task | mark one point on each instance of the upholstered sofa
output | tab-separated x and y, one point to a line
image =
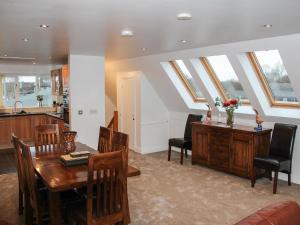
281	213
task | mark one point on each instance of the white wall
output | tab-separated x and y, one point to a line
154	120
152	128
87	93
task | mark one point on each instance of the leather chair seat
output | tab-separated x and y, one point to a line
271	162
181	142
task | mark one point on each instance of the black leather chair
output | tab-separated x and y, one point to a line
185	142
280	156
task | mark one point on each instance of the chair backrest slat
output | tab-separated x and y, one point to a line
104	140
119	141
109	171
47	137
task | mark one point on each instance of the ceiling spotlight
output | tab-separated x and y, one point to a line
143	49
25	39
127	33
183	41
44	26
268	25
184	16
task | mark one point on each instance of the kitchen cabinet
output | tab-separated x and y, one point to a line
5	131
23	127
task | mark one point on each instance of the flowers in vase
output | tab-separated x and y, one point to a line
229	105
40	99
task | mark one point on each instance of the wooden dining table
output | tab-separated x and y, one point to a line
57	177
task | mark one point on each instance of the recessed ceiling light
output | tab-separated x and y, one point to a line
144	49
25	39
127	33
44	26
183	41
268	25
184	16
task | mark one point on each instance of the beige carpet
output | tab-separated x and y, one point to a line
170	194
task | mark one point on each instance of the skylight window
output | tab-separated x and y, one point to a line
188	80
224	77
274	78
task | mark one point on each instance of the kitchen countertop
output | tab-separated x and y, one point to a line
53	114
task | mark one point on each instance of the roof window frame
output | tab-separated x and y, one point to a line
265	86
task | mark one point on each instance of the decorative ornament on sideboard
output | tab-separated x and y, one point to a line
230	106
208	115
258	120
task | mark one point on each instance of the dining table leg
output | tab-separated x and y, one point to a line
54	208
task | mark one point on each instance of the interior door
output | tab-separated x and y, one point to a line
128	102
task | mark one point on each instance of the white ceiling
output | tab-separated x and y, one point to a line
93	26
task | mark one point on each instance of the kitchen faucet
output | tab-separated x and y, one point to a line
15	106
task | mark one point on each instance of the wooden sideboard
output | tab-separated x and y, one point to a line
228	149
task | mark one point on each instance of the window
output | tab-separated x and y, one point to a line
273	76
188	80
224	77
25	89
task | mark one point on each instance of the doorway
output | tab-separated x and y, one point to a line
128	108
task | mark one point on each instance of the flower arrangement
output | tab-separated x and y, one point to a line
229	105
40	99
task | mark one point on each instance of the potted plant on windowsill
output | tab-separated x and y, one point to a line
230	106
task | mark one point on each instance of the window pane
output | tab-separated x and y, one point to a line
27	93
9	86
188	77
25	89
227	76
276	75
44	87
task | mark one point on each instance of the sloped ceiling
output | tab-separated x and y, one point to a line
288	46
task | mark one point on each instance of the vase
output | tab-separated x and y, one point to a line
219	118
69	141
40	104
230	118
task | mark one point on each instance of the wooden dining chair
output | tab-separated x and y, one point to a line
119	141
20	171
104	140
36	199
47	137
109	205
